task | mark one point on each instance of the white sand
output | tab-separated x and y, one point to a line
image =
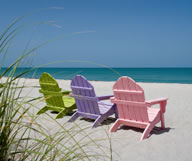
172	144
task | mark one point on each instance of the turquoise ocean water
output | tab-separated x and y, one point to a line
158	75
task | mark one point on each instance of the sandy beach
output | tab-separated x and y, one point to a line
171	144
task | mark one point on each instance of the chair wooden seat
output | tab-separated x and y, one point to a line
152	113
104	107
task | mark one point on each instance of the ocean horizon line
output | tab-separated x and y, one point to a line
153	75
105	67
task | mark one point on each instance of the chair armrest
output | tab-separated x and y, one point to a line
161	101
66	92
84	97
50	93
156	101
105	97
112	99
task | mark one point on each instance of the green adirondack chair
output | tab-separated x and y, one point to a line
56	99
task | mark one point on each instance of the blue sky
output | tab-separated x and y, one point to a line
115	33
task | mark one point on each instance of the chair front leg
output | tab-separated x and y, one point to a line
43	110
115	126
98	121
162	111
74	117
163	105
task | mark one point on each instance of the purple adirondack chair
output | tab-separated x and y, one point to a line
88	104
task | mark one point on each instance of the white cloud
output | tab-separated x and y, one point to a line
83	32
51	21
57	8
57	26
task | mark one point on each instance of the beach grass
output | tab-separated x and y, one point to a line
22	135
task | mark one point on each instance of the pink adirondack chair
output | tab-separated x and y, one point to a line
133	109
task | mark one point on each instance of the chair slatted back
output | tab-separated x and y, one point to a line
51	90
84	95
130	100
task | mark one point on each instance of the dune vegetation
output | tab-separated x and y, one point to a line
22	137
